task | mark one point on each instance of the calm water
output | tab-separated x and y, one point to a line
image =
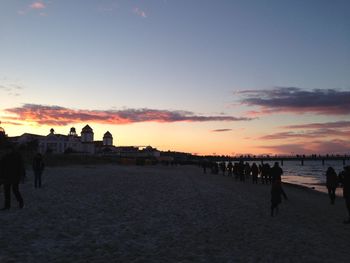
312	174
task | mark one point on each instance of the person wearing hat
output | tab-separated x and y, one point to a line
346	190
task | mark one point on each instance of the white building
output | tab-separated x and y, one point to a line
71	143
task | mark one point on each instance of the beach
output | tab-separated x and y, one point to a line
113	213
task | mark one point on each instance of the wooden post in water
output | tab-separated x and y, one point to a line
302	162
281	162
323	162
344	161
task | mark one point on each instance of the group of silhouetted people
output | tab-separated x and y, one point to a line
272	175
244	171
12	172
333	181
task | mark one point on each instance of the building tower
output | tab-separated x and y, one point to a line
72	132
107	139
87	134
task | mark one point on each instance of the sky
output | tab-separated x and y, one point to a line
224	77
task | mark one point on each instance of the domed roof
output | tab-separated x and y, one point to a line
72	130
107	135
87	128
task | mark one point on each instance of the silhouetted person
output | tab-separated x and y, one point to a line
265	171
331	183
38	168
247	170
223	167
11	171
276	196
241	171
341	177
255	173
346	190
235	171
229	168
275	173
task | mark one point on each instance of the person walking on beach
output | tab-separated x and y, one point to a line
265	171
255	173
12	170
229	168
38	168
346	190
247	170
276	172
331	183
276	196
241	171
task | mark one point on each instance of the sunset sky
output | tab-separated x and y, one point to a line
200	76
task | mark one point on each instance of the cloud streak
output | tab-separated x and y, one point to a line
318	133
336	146
221	130
139	12
60	116
337	124
37	5
11	89
296	100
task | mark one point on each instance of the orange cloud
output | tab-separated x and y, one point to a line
60	116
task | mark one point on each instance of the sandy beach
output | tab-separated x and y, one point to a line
111	213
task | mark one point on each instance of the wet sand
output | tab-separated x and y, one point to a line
110	213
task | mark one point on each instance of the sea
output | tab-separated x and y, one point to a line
312	174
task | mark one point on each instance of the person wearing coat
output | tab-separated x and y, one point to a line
276	172
332	183
38	168
276	196
12	170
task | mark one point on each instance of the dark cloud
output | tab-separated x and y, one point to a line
296	100
318	133
56	115
336	146
337	124
221	130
